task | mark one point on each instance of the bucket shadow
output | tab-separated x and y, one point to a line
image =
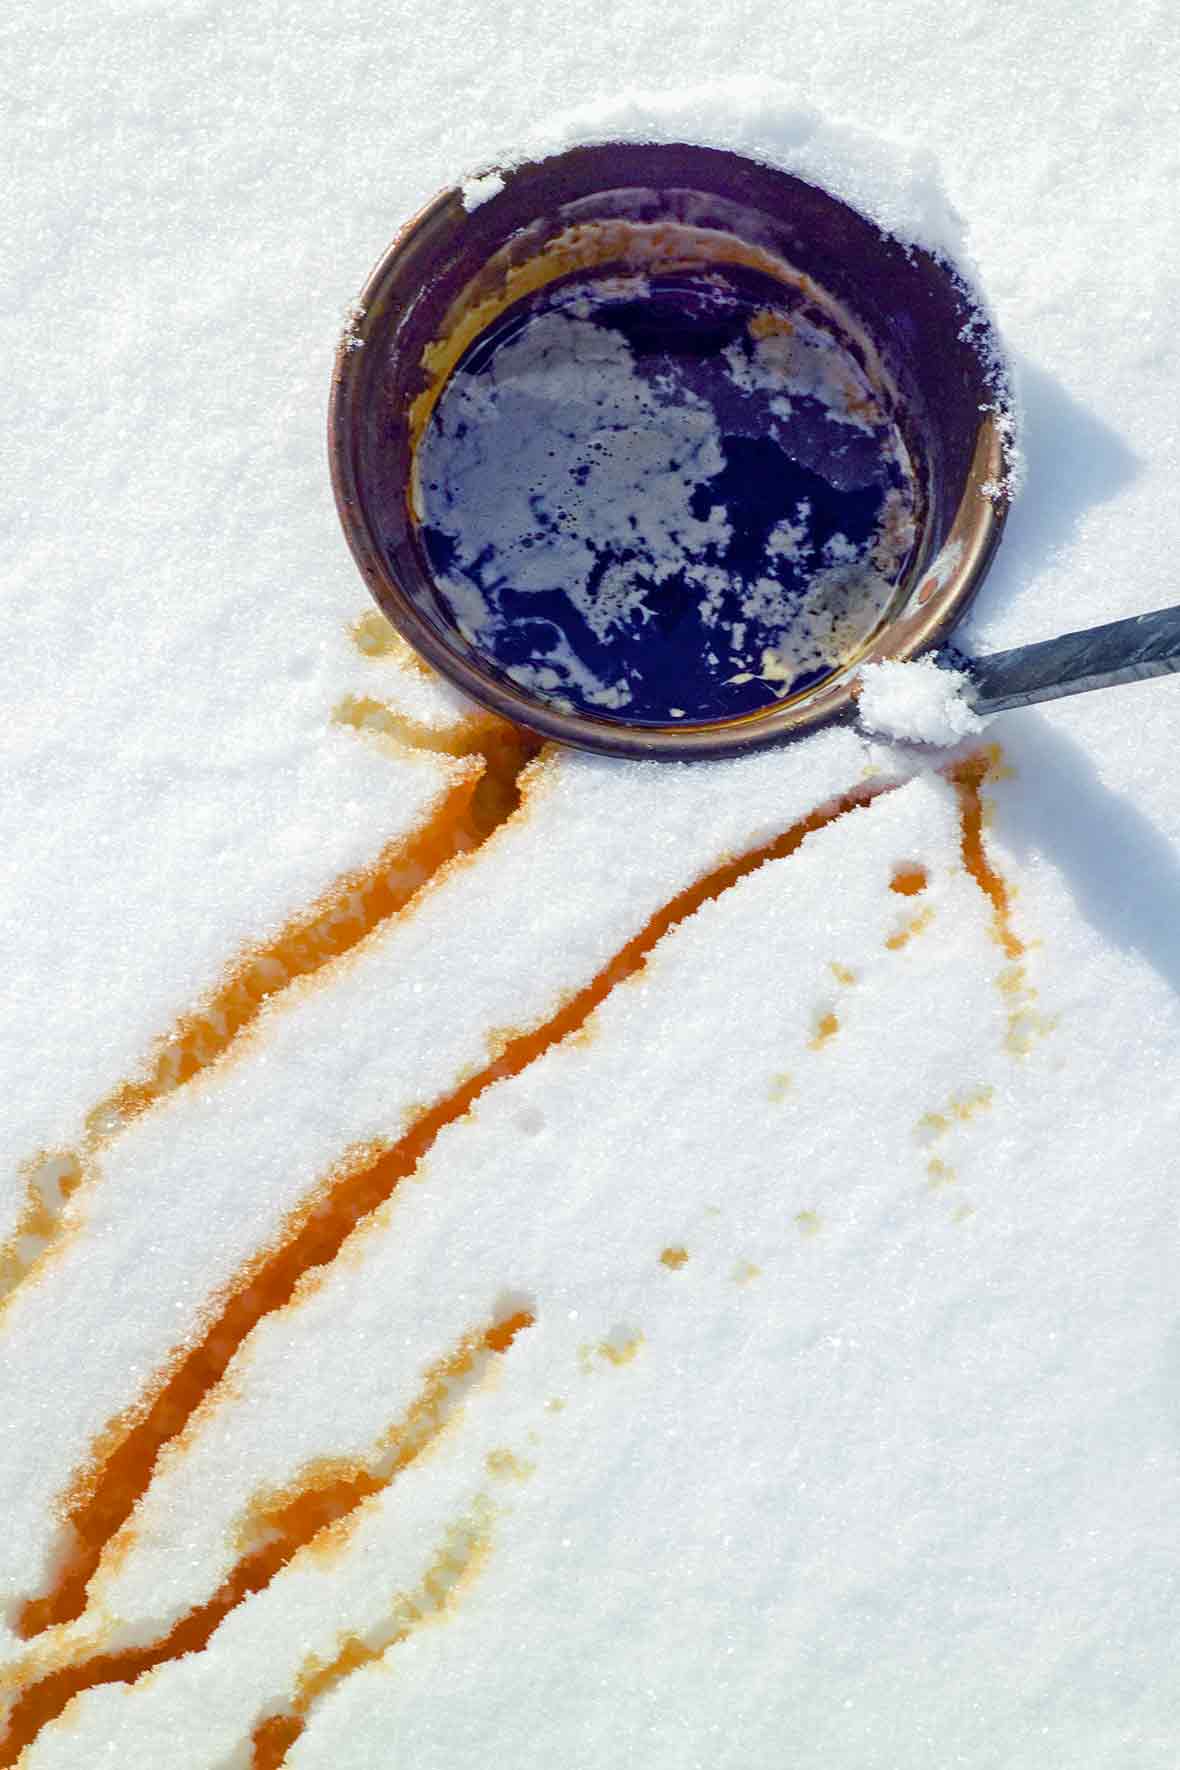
1123	872
1074	460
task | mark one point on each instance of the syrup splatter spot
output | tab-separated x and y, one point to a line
910	930
506	1466
909	880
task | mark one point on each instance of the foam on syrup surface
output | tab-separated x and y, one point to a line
667	496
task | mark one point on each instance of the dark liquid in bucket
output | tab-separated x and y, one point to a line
666	498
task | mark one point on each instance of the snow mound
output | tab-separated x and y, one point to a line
481	188
917	703
896	185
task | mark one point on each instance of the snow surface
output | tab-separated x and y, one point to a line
921	702
885	1471
341	1061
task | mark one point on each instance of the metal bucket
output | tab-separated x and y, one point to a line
453	273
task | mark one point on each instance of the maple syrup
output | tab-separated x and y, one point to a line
666	497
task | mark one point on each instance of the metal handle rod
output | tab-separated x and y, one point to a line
1073	663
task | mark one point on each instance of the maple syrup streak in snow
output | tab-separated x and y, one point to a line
665	497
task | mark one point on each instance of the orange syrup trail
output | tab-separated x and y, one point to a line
122	1460
317	1507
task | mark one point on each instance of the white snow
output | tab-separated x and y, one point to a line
885	1471
893	181
875	1321
481	189
340	1062
138	880
922	702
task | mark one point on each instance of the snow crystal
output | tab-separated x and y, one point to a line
481	189
920	702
